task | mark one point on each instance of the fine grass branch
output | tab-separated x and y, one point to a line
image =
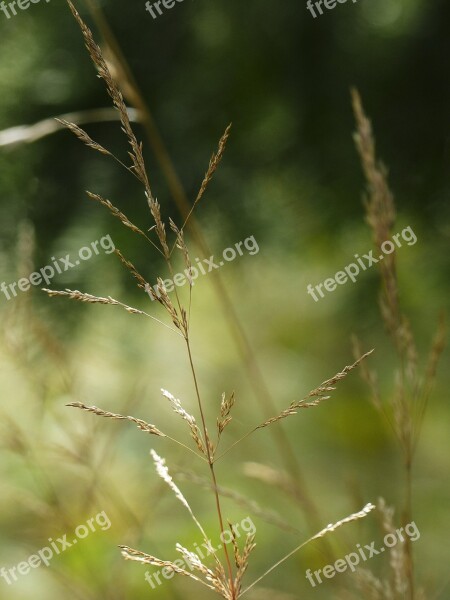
317	395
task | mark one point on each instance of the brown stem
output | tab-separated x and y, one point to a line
408	444
211	467
407	518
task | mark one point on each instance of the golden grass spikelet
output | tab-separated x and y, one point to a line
242	561
116	95
83	136
138	556
164	299
397	554
380	202
184	322
210	445
213	164
317	393
160	228
129	265
116	212
214	578
328	385
225	409
163	472
368	508
288	412
89	298
118	70
235	544
194	559
83	297
179	410
220	577
380	214
329	529
142	425
181	245
151	292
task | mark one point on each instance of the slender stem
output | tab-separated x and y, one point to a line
211	467
153	244
156	320
184	446
407	519
235	444
273	567
408	444
405	435
122	164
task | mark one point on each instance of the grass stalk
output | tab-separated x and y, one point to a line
256	379
211	464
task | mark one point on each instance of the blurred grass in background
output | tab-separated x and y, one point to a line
291	178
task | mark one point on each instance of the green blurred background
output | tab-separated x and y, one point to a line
291	178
